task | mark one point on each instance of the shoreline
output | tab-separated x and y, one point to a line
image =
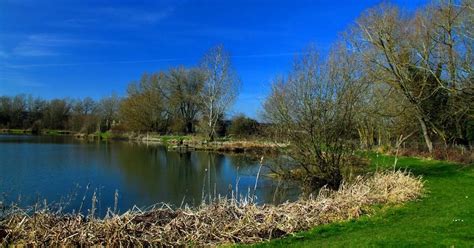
172	142
220	222
196	143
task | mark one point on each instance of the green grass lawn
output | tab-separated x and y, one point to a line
444	217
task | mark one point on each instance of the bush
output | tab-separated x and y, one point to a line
242	126
313	109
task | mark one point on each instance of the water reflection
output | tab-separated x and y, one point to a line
38	167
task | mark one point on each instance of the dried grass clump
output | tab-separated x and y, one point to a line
224	221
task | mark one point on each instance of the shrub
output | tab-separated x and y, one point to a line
242	126
313	109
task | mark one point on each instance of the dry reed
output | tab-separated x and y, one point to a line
222	222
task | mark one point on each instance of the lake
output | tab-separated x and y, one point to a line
69	171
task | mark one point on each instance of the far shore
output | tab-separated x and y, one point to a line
35	132
173	142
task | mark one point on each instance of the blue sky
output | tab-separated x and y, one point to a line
93	48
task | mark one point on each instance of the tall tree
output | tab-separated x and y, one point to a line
57	114
109	110
182	92
314	110
220	89
143	109
18	111
5	109
416	56
84	115
36	109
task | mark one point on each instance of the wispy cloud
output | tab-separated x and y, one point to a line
235	33
29	83
267	55
226	33
115	17
28	50
14	79
133	16
96	63
75	22
157	60
38	45
3	54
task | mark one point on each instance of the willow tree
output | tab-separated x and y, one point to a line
220	89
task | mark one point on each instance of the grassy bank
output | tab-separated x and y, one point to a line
15	131
444	217
108	135
30	132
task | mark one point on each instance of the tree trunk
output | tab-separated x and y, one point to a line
428	141
211	126
189	127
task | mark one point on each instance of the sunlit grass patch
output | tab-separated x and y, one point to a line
444	216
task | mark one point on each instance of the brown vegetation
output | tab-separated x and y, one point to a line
314	110
246	146
222	222
189	143
455	154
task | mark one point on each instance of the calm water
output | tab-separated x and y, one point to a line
34	168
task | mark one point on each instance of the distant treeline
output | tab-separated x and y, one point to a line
180	100
109	113
85	115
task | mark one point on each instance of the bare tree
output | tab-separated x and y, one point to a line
143	109
220	89
57	113
19	107
183	89
420	58
314	109
449	32
109	108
